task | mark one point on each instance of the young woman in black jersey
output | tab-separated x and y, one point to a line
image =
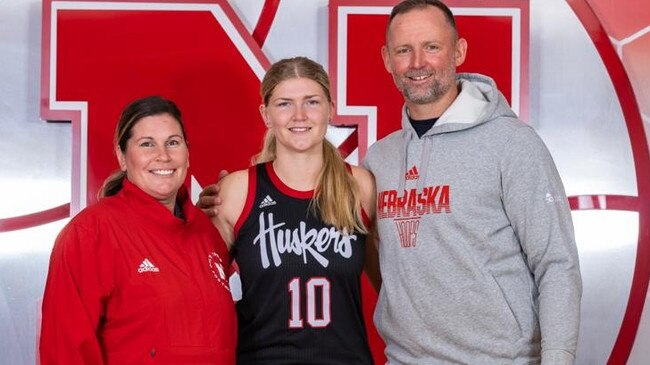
298	227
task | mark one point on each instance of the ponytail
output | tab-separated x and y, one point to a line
337	195
112	185
268	149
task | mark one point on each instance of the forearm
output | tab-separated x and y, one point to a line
559	312
558	357
371	264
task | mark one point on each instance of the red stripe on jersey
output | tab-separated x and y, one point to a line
283	187
250	198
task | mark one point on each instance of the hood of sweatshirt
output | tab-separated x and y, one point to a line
479	101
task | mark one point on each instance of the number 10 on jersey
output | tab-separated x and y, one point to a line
313	287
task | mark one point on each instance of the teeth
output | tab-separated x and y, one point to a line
418	78
299	129
162	172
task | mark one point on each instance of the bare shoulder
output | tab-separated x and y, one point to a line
363	177
233	190
366	183
234	181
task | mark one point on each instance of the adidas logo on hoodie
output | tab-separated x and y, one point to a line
412	174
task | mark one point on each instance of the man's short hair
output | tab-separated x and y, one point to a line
408	5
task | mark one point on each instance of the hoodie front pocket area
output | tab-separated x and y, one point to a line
475	316
490	312
504	305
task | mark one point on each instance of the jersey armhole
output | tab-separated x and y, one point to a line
364	215
364	218
250	198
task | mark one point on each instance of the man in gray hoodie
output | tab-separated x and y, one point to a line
477	250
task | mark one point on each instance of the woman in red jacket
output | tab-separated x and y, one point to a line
139	278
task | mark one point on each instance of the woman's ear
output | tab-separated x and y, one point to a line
121	159
267	123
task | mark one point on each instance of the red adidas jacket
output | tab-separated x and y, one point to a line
129	283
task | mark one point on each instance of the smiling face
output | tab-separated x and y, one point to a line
422	54
156	157
298	112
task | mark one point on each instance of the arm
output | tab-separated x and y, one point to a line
371	264
367	191
75	294
537	207
209	198
231	192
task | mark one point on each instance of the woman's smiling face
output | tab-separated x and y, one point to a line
156	158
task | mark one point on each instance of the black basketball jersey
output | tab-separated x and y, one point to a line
301	286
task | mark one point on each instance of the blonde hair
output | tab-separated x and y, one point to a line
336	197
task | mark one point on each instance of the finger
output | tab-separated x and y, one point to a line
205	202
210	212
208	191
222	174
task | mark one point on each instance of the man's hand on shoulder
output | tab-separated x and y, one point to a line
209	199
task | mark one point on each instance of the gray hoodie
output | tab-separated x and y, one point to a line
477	251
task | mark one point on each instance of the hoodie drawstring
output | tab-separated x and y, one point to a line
424	162
407	135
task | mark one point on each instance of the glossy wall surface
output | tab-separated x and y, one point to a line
584	86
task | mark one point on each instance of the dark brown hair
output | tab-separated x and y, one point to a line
408	5
131	115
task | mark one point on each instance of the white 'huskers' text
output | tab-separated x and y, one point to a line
300	241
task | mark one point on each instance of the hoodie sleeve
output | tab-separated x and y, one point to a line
73	303
537	207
